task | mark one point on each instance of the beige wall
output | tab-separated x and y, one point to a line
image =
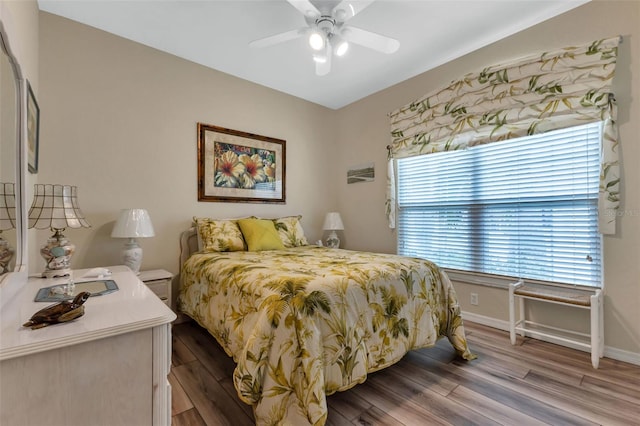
363	133
119	121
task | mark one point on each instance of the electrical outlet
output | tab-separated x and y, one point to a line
474	298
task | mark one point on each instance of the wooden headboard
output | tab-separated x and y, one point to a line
188	244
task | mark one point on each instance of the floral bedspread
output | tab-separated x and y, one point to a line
306	322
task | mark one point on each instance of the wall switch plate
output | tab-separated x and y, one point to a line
474	298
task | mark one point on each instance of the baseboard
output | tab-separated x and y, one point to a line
609	352
488	321
622	355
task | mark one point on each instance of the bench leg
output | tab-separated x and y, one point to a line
512	315
596	337
601	313
512	311
522	315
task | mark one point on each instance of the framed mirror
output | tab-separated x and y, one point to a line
12	171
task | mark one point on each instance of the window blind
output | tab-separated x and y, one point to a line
523	208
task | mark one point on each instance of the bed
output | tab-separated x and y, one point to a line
302	321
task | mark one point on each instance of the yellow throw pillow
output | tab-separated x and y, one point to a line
219	235
260	234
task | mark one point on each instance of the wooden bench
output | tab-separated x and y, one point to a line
568	296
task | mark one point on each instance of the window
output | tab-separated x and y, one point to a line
525	208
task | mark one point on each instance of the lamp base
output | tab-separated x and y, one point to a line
6	254
132	255
51	273
57	254
332	240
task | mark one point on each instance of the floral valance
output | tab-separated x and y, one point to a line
535	94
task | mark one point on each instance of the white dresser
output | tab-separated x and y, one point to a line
107	367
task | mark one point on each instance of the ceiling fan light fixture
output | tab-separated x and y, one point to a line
320	58
316	40
341	48
328	34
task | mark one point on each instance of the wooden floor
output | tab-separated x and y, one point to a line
532	383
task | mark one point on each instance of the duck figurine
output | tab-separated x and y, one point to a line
64	311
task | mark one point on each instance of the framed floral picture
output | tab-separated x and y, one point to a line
33	129
235	166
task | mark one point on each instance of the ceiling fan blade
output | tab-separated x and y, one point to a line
278	38
347	9
306	8
369	39
323	68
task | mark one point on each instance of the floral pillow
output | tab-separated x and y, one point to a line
219	235
290	231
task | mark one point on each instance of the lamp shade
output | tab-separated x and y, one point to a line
56	207
7	206
133	223
333	222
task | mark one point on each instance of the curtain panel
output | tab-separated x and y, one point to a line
534	94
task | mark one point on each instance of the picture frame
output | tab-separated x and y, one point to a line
240	167
33	130
361	173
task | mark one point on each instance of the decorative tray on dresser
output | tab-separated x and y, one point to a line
108	366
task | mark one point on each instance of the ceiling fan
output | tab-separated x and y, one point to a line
328	33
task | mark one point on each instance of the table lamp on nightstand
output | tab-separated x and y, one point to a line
333	223
132	224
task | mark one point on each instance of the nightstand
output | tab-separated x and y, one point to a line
158	281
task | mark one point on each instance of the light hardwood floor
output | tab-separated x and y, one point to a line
532	383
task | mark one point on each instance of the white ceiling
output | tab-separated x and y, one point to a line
216	34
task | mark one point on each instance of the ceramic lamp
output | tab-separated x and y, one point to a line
56	207
333	223
132	224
